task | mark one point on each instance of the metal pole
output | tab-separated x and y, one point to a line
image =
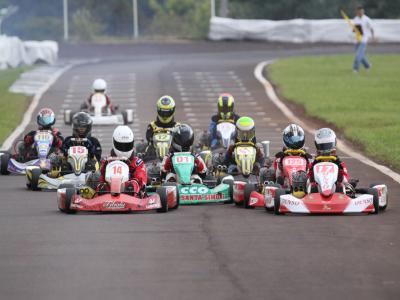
212	8
65	12
135	19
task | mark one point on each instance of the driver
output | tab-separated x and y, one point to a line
45	120
226	113
293	139
165	120
99	86
123	145
81	136
245	135
325	142
182	141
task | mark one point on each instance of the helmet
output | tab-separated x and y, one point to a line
183	138
123	141
226	105
299	183
46	118
325	141
246	129
293	137
99	85
165	109
81	125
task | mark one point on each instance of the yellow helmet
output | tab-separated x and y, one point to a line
165	109
246	129
226	106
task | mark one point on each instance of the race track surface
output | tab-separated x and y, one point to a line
199	252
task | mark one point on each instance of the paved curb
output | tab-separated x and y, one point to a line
269	90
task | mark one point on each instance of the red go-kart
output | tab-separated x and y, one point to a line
116	199
325	196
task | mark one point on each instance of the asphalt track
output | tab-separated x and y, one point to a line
201	252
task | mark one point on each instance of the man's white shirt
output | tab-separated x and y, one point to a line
366	25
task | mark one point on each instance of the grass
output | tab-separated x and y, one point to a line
365	106
12	106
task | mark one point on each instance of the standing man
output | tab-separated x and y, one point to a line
364	25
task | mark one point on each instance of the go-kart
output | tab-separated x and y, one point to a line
226	132
153	154
116	198
43	141
101	114
191	188
74	173
326	196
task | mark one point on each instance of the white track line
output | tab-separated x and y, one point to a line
269	90
28	114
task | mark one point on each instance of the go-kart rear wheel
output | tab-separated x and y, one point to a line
277	200
374	193
70	191
248	188
177	193
382	208
162	192
36	172
230	183
5	158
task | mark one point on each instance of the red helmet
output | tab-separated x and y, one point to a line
46	118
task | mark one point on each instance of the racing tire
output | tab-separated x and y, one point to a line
162	192
230	183
177	194
70	191
277	200
374	193
248	188
382	208
36	172
271	209
5	158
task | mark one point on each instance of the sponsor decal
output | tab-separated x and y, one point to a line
326	207
289	202
152	203
194	190
202	197
363	202
139	162
253	200
114	205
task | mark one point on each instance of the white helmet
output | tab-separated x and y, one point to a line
123	141
99	85
325	140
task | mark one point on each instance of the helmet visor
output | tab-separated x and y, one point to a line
46	120
325	147
165	113
123	147
246	136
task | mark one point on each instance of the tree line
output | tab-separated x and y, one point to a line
42	19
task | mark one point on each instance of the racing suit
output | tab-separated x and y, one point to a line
212	128
342	174
230	157
93	146
278	168
137	175
26	152
200	167
88	103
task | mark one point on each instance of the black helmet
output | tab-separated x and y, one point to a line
293	137
81	125
183	138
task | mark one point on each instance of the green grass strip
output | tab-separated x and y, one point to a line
365	106
12	106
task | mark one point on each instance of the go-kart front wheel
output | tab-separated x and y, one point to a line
248	188
34	181
5	158
277	200
70	191
381	208
375	195
230	183
162	192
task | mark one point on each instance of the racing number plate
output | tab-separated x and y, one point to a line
117	169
